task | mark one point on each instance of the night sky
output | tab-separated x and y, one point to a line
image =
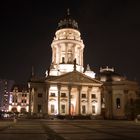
110	30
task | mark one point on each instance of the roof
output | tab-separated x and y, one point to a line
73	78
67	22
107	76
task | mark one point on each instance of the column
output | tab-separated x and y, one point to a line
58	87
110	105
66	52
79	99
29	101
89	100
47	98
69	100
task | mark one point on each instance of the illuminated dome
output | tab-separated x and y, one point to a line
67	46
67	22
107	75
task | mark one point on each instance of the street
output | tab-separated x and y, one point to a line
69	130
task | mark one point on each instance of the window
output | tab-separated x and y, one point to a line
62	108
39	95
83	95
63	94
52	108
93	109
118	103
63	60
83	109
93	96
39	108
23	101
52	95
24	95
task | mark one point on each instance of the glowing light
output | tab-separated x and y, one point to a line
18	108
27	108
10	107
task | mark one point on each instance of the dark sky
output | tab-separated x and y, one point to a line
110	30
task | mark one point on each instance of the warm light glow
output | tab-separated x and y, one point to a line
18	108
10	99
10	107
90	74
27	108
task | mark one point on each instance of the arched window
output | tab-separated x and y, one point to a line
118	103
14	109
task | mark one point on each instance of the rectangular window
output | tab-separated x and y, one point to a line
39	95
23	101
39	108
118	103
62	108
93	109
52	94
52	108
93	96
63	94
83	109
83	95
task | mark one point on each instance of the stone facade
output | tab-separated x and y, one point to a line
19	99
69	91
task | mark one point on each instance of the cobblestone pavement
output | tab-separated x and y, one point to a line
69	130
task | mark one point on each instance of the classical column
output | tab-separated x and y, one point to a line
110	105
89	111
47	97
125	98
79	99
69	88
66	53
30	101
82	56
58	87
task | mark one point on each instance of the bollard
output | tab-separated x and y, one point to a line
15	120
136	120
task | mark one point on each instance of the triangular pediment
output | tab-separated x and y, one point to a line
74	77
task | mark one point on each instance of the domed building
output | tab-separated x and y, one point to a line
117	93
68	90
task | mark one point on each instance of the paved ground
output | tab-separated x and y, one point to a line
69	130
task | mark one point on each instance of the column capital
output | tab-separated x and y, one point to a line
69	87
79	87
48	86
59	86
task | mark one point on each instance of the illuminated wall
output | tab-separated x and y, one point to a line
19	100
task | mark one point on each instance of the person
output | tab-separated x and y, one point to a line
15	119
